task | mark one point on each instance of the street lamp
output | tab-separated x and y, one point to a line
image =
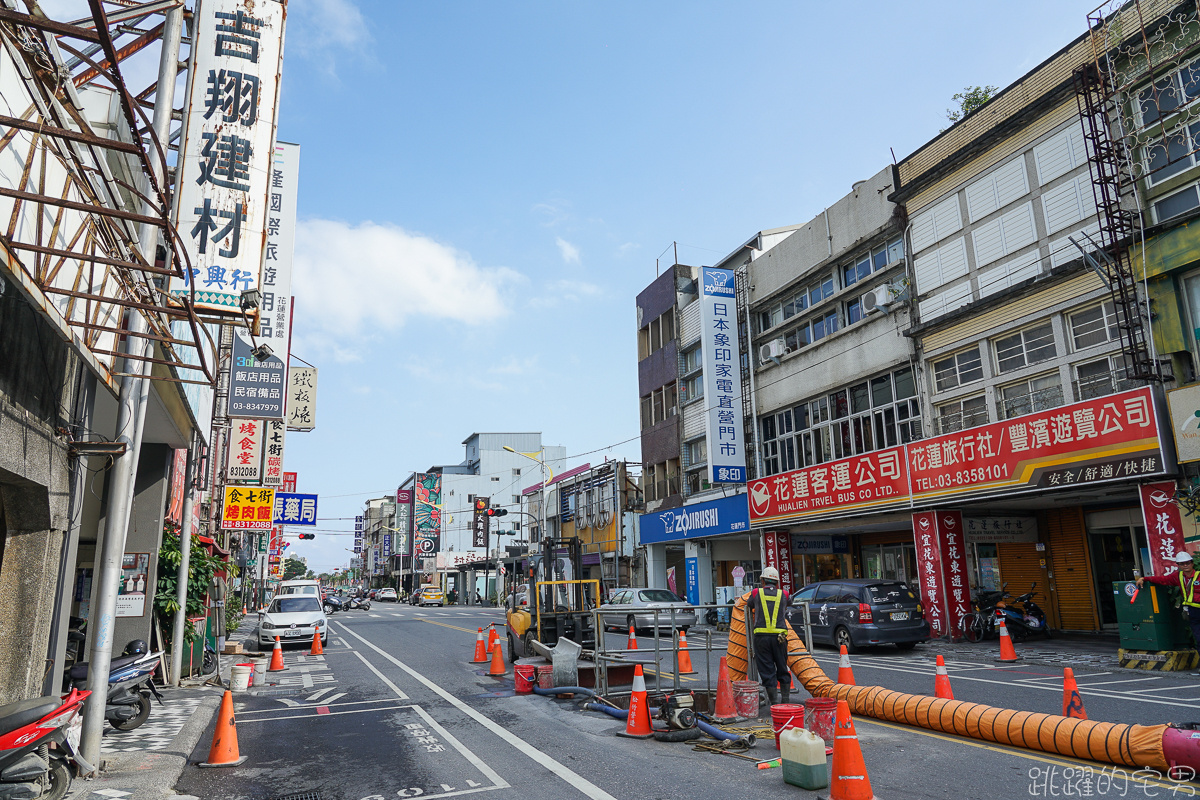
545	468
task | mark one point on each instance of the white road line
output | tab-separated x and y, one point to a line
318	695
380	675
418	614
307	680
475	760
294	704
343	643
329	714
374	615
1123	680
586	787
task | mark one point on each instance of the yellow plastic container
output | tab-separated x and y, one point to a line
803	754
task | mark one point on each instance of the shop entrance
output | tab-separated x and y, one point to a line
1116	553
890	562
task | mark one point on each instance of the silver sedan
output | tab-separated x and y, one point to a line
636	607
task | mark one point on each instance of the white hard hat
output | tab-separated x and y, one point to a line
1180	558
770	574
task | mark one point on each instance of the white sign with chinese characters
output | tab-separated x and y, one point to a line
274	432
244	462
302	398
722	378
276	316
228	141
995	530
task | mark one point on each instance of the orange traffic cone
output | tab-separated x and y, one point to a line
1007	652
493	637
683	660
637	725
277	658
845	674
941	683
497	661
224	750
847	774
317	648
632	644
1072	702
480	649
725	708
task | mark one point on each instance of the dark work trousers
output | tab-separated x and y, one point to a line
770	655
1193	618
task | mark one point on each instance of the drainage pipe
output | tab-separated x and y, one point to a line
711	730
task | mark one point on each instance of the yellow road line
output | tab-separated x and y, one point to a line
445	625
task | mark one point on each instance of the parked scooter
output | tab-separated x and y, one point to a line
357	604
1025	619
130	685
39	739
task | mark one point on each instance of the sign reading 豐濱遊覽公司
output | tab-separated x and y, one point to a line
256	385
296	509
227	151
275	317
722	377
727	515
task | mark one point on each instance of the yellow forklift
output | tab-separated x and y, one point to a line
549	602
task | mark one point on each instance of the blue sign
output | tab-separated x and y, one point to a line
722	378
727	515
691	568
295	509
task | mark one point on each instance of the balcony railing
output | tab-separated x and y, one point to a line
1029	402
1103	384
952	423
662	489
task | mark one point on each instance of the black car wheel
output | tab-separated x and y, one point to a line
842	637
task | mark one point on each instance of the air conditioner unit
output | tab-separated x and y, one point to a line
773	349
884	297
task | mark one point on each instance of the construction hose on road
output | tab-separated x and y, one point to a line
711	730
1158	746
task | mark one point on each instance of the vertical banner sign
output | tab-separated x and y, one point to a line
227	153
770	549
783	543
403	522
691	567
273	432
1164	525
358	534
276	313
929	570
302	398
722	381
387	547
289	482
427	513
952	542
256	385
479	523
243	463
178	487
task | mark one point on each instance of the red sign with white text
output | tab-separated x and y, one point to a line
1164	526
783	545
955	586
770	549
929	568
859	484
289	483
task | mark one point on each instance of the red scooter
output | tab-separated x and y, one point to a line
38	740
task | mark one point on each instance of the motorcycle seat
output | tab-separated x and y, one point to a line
79	672
26	712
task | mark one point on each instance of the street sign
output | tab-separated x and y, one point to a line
273	433
302	398
295	509
244	462
256	385
247	508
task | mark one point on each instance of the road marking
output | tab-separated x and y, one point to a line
1123	680
373	615
326	714
294	704
418	614
448	625
307	680
586	787
343	643
380	675
318	695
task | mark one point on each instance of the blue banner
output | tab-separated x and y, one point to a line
692	574
727	515
295	509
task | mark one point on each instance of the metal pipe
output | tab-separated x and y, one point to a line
185	558
130	422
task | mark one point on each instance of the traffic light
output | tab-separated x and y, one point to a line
308	536
497	512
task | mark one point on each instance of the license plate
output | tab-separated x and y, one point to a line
293	633
899	616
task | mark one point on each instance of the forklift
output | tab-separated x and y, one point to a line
552	603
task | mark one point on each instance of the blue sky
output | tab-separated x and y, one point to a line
485	188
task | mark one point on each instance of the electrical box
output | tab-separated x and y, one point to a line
1152	622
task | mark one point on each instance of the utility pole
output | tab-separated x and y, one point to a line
185	557
130	422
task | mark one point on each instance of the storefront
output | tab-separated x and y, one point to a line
699	547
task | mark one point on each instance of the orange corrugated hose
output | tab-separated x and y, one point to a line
1113	743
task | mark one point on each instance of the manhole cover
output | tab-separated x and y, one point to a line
301	796
282	691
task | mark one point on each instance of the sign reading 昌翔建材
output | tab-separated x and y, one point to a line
724	436
256	385
247	508
295	509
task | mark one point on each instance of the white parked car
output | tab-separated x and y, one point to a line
293	618
386	594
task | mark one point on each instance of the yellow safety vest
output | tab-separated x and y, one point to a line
770	615
1189	591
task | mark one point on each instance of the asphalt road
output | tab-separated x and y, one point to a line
394	709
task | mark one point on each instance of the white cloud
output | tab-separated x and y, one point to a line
570	253
565	292
327	26
352	281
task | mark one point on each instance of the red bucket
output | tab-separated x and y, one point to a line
819	716
545	677
745	698
784	716
525	675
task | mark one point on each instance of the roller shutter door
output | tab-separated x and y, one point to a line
1019	568
885	537
1074	589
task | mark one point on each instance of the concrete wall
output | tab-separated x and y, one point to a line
658	369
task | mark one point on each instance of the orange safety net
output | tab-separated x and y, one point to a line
1107	742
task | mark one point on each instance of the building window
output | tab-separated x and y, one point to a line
873	261
1179	203
1095	325
962	414
965	366
692	360
1035	394
516	472
1178	154
856	271
825	326
657	333
1169	93
1102	377
697	452
692	389
1021	349
792	305
853	311
656	407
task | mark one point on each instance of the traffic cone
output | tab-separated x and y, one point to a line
683	660
725	708
277	658
941	683
1007	652
493	637
497	661
1072	702
480	649
845	674
637	724
632	644
224	750
847	774
317	648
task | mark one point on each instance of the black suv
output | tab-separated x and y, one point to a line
859	612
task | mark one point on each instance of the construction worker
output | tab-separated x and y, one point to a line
1186	579
768	617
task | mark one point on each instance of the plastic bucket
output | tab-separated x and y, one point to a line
250	666
819	716
545	676
745	698
784	716
525	675
239	680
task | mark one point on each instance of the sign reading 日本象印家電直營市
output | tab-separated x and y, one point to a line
724	436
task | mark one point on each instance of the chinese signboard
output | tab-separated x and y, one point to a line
722	381
244	462
777	553
427	514
995	530
296	509
276	313
178	486
247	508
289	481
691	566
229	133
302	398
358	534
727	515
256	388
1185	421
857	485
403	521
272	474
479	523
941	568
1164	526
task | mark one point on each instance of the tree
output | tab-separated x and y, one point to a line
293	568
970	99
